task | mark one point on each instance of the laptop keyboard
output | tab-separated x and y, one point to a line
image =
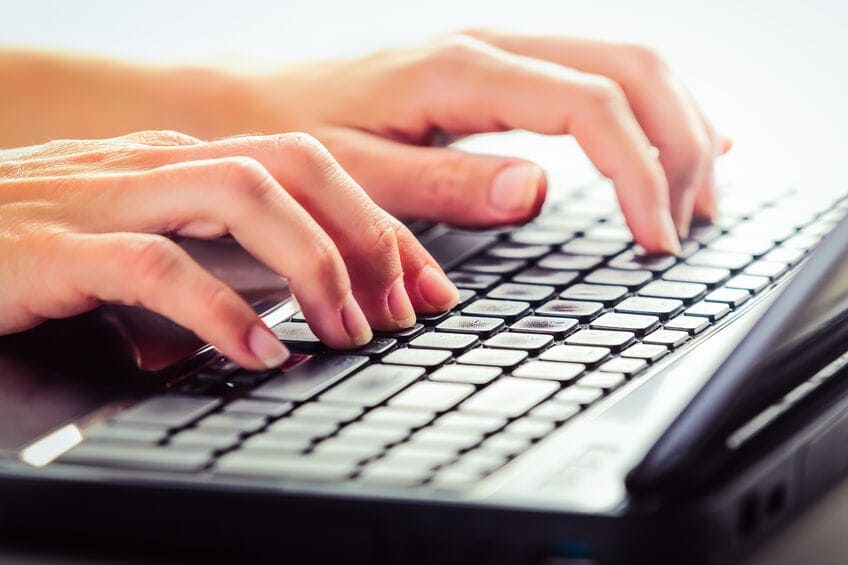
553	316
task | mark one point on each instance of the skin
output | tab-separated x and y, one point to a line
86	220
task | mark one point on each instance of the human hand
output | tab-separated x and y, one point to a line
378	115
84	223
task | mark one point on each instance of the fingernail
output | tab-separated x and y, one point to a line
266	347
355	323
437	289
515	188
400	305
668	233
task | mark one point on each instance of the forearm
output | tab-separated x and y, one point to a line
48	95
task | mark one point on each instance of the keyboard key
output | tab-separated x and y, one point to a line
348	449
770	269
493	266
668	338
632	261
535	275
685	291
636	323
785	255
549	370
377	347
297	335
429	358
722	259
435	397
532	343
443	439
466	374
646	351
389	473
506	309
751	246
277	443
750	283
466	295
172	411
269	408
444	340
473	281
510	396
397	417
555	411
605	294
711	310
483	327
582	354
126	433
610	232
509	250
583	246
704	233
422	456
709	276
579	395
530	428
504	358
661	307
334	413
532	235
583	311
455	246
564	262
373	385
432	319
532	293
309	378
506	444
690	324
404	334
478	423
802	242
624	366
605	380
137	456
375	434
601	338
233	421
311	468
301	427
618	277
731	296
209	438
557	327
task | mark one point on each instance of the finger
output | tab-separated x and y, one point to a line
237	195
440	184
549	98
153	272
663	106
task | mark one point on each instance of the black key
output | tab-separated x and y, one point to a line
564	262
648	352
722	259
504	358
455	342
471	324
583	246
405	334
557	327
476	375
535	275
418	226
583	311
549	370
473	281
704	233
173	411
624	366
510	396
668	338
711	310
222	366
377	347
373	385
245	379
662	307
690	324
636	323
418	357
532	343
632	261
453	247
532	235
605	294
709	276
508	250
493	266
466	295
618	277
432	319
685	291
297	335
601	338
136	456
434	397
506	309
583	354
532	293
733	297
309	378
751	283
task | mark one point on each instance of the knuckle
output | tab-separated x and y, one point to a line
161	138
246	177
454	50
644	59
305	148
383	235
219	299
153	259
604	94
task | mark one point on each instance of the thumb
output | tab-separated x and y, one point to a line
440	183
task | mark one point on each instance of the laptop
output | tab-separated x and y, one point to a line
584	403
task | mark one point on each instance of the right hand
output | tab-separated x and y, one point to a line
83	222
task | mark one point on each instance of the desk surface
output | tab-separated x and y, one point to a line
769	74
